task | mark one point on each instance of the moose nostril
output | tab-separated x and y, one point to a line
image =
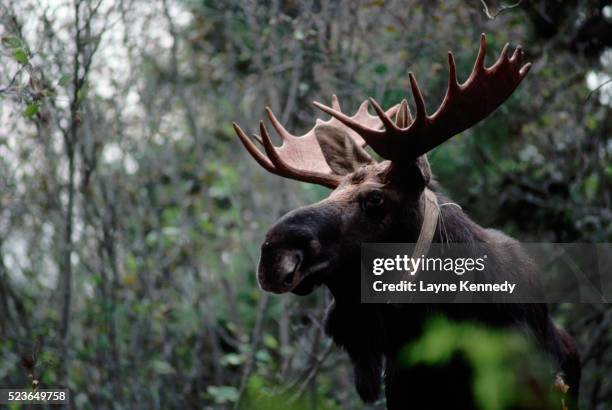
289	278
289	262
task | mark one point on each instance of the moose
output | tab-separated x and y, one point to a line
395	200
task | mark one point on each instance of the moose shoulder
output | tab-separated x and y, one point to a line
387	201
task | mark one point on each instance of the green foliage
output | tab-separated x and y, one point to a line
21	56
31	110
260	396
223	394
506	368
12	42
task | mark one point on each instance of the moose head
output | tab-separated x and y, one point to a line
388	201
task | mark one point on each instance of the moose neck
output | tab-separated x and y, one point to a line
454	226
439	221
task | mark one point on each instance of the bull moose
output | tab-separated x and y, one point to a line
395	200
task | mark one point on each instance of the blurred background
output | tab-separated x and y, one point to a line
131	216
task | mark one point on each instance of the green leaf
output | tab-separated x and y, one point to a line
11	42
232	359
298	35
31	110
162	367
82	92
380	69
223	394
64	80
263	356
21	56
591	186
131	264
270	341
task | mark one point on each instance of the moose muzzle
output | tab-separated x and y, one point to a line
279	269
293	250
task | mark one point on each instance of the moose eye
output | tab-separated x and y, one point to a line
373	200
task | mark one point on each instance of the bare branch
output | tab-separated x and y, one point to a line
499	9
599	87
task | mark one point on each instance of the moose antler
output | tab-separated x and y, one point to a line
463	106
301	157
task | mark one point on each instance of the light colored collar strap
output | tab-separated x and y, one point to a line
431	212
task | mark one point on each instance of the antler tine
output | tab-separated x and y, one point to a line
421	113
479	64
258	139
282	132
403	117
524	70
253	150
517	55
517	58
504	53
384	118
453	84
278	162
283	167
361	129
335	103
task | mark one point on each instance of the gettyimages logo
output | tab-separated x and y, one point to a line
404	263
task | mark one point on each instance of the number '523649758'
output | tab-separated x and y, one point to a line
47	396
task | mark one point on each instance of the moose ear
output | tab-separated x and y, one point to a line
341	152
